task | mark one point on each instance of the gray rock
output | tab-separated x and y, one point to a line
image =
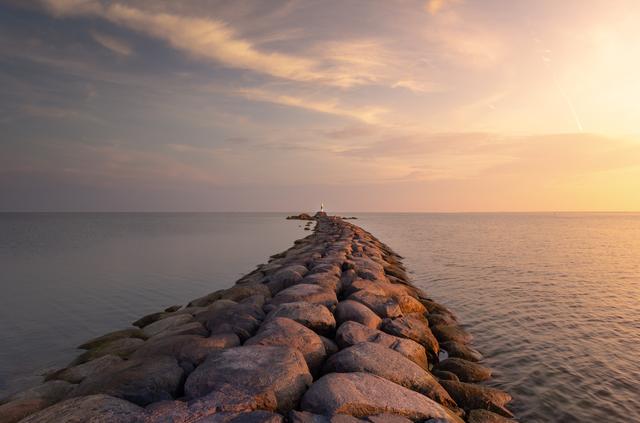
235	293
436	319
415	327
141	381
455	349
16	410
467	371
191	328
316	317
260	377
77	373
352	310
444	375
150	318
288	333
391	365
51	391
123	347
166	324
363	394
306	417
112	336
469	396
329	346
382	305
190	348
306	292
451	333
484	416
327	280
90	409
241	319
351	333
286	277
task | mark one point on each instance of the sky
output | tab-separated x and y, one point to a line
278	105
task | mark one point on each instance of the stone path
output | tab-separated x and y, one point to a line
330	330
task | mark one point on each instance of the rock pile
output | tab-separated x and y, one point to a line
331	330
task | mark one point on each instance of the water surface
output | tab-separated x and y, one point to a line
553	301
66	277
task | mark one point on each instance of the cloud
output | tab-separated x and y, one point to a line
114	44
435	6
367	115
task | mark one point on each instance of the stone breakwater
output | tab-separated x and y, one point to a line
330	330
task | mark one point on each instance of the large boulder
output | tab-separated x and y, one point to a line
382	305
364	394
467	371
484	416
22	404
190	348
261	377
451	333
391	365
90	409
286	332
236	293
285	278
455	349
351	333
16	410
77	373
352	310
306	292
325	279
166	324
112	336
241	319
190	328
316	317
122	347
469	396
141	381
414	327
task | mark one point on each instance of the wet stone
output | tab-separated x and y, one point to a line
266	377
351	333
316	317
123	347
451	333
364	394
77	373
112	336
455	349
140	381
90	409
349	310
306	292
286	332
467	371
384	362
414	327
469	396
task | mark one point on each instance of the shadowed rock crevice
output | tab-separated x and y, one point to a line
330	329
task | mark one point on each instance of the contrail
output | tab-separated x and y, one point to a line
569	103
547	63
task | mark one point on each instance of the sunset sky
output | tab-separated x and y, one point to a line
390	105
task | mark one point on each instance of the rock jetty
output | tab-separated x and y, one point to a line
329	331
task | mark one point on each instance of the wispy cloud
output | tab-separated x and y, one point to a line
116	45
333	107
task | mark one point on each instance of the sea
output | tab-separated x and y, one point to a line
552	299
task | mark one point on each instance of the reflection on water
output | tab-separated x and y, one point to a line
67	277
553	301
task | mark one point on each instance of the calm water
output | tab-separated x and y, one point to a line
552	299
67	277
